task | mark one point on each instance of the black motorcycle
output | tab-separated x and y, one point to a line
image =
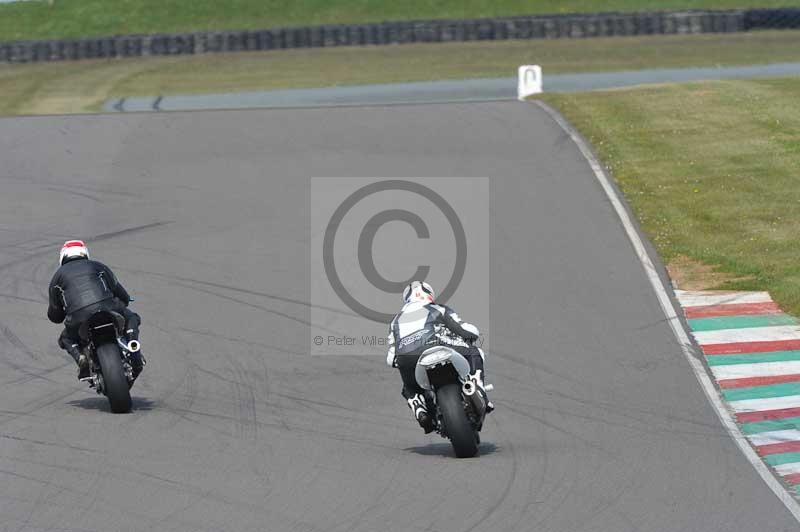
112	358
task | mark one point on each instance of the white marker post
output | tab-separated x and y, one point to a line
530	81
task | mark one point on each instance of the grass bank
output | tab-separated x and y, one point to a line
712	171
78	18
84	86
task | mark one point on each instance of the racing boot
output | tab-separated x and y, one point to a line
80	359
420	409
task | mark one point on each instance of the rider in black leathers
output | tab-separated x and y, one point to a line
421	324
80	288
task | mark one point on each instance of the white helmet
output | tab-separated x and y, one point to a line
73	249
418	291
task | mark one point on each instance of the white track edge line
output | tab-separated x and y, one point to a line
672	318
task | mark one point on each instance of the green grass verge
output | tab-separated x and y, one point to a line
77	18
712	171
84	86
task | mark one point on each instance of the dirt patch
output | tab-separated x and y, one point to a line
689	274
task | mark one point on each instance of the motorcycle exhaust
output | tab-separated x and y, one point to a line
471	393
469	388
132	347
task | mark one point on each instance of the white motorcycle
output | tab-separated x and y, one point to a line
455	402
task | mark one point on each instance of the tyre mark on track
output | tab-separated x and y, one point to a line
75	193
631	412
240	290
15	340
49	400
45	183
240	341
267	296
187	379
185	413
38	502
649	423
533	365
245	400
130	230
244	417
189	382
269	396
355	414
509	484
558	428
351	522
29	376
251	305
96	238
27	299
93	497
49	444
172	484
41	283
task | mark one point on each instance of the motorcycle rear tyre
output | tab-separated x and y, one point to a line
115	385
456	424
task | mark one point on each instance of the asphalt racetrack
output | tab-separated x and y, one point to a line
600	424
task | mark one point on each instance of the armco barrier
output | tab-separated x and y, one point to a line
526	27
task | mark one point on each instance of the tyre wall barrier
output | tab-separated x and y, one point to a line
492	29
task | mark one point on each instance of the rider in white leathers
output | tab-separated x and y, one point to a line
420	324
